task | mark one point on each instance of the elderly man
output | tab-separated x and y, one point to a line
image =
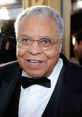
42	83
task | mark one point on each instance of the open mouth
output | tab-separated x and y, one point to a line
34	61
36	64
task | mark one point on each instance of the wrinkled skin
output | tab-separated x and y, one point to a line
35	61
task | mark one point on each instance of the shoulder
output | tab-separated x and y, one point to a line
74	77
74	67
71	67
9	67
9	70
9	64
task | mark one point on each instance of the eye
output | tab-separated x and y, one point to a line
26	40
46	41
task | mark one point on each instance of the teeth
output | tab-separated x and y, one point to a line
34	61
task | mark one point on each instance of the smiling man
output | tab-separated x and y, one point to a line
42	82
36	46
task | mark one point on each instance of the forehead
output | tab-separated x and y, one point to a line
38	24
38	18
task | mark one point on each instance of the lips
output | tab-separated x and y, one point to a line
34	61
35	64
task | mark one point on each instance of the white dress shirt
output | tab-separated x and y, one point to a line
34	99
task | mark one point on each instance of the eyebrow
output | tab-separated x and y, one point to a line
25	35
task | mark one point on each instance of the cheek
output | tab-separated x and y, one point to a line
56	51
53	56
20	52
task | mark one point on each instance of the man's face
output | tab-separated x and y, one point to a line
78	50
35	60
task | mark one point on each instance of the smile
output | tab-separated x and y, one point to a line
35	64
34	61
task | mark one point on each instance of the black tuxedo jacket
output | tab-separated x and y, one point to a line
66	100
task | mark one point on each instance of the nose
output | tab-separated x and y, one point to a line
35	48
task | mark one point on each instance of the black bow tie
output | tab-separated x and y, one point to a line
26	82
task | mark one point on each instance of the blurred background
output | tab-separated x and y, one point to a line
71	11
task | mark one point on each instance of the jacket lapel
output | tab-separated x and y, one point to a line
53	105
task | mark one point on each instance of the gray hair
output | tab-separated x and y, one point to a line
44	11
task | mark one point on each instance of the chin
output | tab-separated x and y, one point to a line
36	74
